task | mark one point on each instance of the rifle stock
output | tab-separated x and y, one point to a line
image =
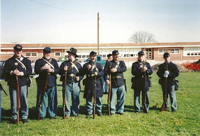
64	97
165	94
18	93
109	94
42	97
94	102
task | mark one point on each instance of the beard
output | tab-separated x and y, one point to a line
47	56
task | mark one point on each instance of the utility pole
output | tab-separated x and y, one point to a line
98	32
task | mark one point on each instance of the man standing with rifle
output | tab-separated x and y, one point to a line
47	68
18	67
71	84
167	72
141	82
93	70
116	69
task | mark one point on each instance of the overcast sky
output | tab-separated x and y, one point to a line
75	21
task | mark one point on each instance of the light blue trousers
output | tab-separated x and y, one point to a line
50	93
120	91
89	104
23	101
172	94
72	90
137	100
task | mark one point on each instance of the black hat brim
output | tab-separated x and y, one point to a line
72	53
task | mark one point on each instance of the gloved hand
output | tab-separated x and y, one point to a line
166	74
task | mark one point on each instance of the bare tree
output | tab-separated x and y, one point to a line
142	37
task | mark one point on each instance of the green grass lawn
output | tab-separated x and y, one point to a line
185	122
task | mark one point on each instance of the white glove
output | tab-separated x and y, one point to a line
166	74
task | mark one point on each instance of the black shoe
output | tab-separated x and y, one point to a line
174	111
51	117
24	121
42	118
14	121
88	115
112	114
76	116
99	114
120	113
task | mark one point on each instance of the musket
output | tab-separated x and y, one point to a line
42	97
1	88
144	91
94	102
18	93
165	93
64	97
109	94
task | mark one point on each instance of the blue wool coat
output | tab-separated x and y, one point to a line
89	81
10	66
173	73
69	72
41	80
116	82
138	79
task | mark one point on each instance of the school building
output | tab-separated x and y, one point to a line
180	51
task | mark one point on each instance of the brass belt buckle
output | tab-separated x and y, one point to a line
118	76
71	75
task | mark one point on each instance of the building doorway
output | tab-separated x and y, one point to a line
148	53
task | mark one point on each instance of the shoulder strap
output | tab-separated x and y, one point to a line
73	65
23	66
48	62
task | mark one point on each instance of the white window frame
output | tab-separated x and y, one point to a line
163	51
57	52
191	51
175	51
31	54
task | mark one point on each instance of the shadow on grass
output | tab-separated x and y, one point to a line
33	113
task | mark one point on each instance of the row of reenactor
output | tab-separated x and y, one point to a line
18	68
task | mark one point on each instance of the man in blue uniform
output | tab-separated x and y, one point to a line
170	71
19	66
105	86
47	67
140	82
116	68
92	69
72	67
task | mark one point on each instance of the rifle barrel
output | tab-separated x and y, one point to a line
165	93
94	102
109	94
64	97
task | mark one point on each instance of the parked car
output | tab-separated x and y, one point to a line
2	63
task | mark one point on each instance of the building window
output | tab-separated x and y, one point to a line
57	54
174	51
191	51
162	51
31	54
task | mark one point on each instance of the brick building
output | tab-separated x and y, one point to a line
180	51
